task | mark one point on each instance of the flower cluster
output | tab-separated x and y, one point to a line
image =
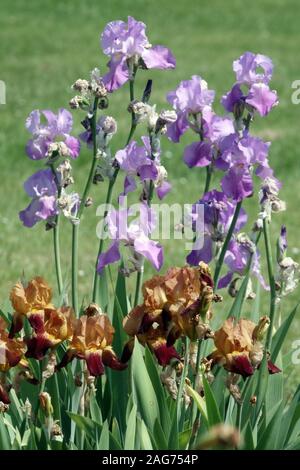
177	304
89	337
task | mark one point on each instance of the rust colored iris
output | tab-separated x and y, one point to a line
92	342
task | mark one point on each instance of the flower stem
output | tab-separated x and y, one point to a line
110	193
75	231
56	246
226	242
138	286
179	404
209	171
271	281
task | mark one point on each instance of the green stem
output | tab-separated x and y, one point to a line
110	193
75	232
209	171
86	191
56	245
179	405
226	242
139	281
271	281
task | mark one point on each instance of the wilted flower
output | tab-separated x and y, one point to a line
288	272
268	197
43	189
128	47
92	341
30	300
64	171
69	204
239	347
56	130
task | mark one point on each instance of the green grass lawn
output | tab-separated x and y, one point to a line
46	45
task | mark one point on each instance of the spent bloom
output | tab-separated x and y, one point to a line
51	137
42	188
288	272
239	348
254	72
92	342
128	48
134	235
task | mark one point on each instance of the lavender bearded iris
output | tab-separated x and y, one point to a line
42	188
134	236
189	99
218	214
136	161
241	251
54	136
128	47
253	71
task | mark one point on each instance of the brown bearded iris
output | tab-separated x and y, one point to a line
92	341
239	348
11	353
177	304
52	328
29	300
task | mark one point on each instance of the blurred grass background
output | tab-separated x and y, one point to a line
46	45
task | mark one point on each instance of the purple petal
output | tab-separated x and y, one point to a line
64	122
40	183
129	185
159	57
73	145
118	74
163	189
204	254
225	280
38	209
177	128
148	171
151	250
33	121
262	98
232	98
237	183
198	154
36	149
110	256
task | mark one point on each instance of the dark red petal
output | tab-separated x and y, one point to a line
242	365
12	357
37	347
16	325
127	351
165	353
36	320
4	396
272	368
110	360
94	363
66	359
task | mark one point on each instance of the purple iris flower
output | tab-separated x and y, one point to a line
136	161
216	131
134	235
42	188
190	98
238	157
218	214
237	257
56	130
254	71
127	42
